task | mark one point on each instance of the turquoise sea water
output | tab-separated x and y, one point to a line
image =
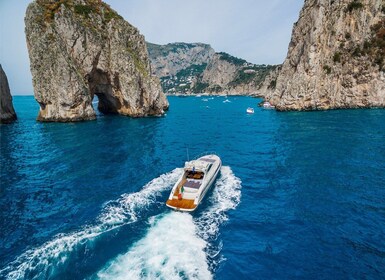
301	195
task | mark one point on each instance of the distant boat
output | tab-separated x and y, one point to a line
250	110
226	101
198	95
197	178
267	105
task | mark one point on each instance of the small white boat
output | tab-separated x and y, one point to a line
198	176
250	110
267	105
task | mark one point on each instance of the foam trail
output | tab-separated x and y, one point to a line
226	196
39	262
170	250
177	245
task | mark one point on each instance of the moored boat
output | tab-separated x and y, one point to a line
267	105
250	110
198	176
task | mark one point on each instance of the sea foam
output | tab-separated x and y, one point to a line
170	250
178	245
42	262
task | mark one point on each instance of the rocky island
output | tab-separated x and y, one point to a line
190	68
82	48
7	112
335	58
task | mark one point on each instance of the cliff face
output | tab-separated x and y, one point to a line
195	68
7	112
335	58
168	60
82	48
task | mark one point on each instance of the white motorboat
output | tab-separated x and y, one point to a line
267	105
198	176
250	110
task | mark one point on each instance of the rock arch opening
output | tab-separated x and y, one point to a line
100	85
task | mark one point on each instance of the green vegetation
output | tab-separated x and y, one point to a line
357	52
355	5
377	44
193	70
85	10
200	87
163	50
337	57
231	59
374	48
51	8
348	36
327	69
272	84
258	76
216	88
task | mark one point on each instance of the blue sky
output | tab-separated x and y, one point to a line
256	30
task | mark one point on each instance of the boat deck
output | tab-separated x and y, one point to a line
181	204
187	204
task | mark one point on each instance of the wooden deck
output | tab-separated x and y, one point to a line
181	203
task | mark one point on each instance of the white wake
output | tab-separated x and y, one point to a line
41	262
170	250
177	245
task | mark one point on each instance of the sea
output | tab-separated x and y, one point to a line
300	195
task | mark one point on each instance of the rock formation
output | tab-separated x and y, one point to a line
7	113
82	48
168	60
335	57
195	68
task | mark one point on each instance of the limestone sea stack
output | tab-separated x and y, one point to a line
335	57
7	112
82	48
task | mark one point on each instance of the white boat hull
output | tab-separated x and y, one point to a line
198	177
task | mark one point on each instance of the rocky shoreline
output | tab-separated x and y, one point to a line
7	112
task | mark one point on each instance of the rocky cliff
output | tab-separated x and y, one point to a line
195	68
7	112
335	57
82	48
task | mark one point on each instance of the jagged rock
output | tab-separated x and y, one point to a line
7	112
335	58
195	68
82	48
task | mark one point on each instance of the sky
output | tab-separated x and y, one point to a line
258	31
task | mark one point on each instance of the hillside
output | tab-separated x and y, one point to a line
196	68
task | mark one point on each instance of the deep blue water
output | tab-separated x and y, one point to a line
301	195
